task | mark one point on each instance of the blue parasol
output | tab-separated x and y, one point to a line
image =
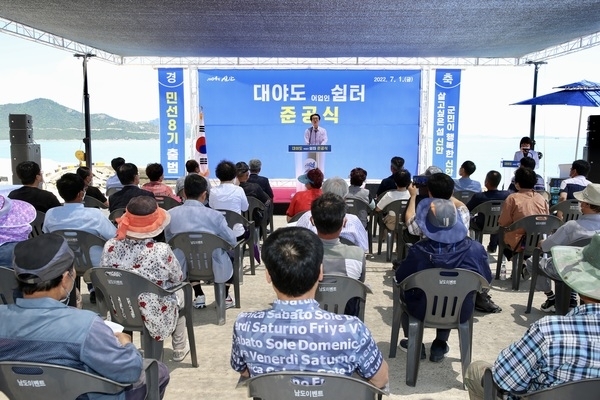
582	94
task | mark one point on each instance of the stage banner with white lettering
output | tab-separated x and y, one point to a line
172	121
369	116
445	128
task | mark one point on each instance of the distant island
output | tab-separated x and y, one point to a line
52	121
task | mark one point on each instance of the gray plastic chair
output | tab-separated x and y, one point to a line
570	209
563	291
334	292
584	389
254	203
37	224
283	386
535	226
116	214
89	201
297	216
166	202
233	218
399	207
446	290
117	293
491	212
80	243
37	381
365	214
8	283
112	190
197	248
463	195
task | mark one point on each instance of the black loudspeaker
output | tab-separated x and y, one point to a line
21	136
20	121
23	152
593	123
593	132
592	155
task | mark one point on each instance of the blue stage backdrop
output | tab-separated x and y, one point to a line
172	121
370	116
445	128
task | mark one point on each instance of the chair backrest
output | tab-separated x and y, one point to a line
334	291
37	381
585	389
253	203
297	216
544	194
197	248
288	385
536	227
570	209
8	283
399	208
80	243
37	224
359	208
463	195
112	190
117	213
89	201
233	218
445	290
166	202
491	212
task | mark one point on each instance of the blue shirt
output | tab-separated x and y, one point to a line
45	330
467	184
297	335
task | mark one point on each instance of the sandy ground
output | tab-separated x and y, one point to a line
215	379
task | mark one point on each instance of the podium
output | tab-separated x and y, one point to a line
308	156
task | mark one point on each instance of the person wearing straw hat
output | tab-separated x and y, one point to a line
555	349
134	249
40	327
15	219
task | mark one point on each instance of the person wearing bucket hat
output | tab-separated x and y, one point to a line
134	249
40	328
585	227
15	219
446	245
555	349
312	180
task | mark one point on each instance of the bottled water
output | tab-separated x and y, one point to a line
503	271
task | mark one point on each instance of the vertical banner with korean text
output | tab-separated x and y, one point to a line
445	128
172	121
369	117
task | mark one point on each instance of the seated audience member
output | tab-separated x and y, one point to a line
521	204
135	250
293	257
555	349
15	226
312	180
155	173
130	178
255	167
252	190
577	180
492	180
402	181
352	229
86	174
31	177
358	176
525	151
193	216
446	245
229	196
192	167
465	182
41	328
396	164
585	227
114	181
528	162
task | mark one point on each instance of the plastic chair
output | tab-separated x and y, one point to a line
364	213
463	195
563	291
8	283
21	380
446	290
89	201
37	224
491	212
535	226
569	209
116	214
297	216
117	293
544	194
232	219
583	389
197	248
289	385
166	202
254	203
399	207
112	190
334	292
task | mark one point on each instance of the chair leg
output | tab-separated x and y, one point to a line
517	261
370	233
187	291
389	244
500	257
563	297
534	276
152	348
220	299
413	359
465	339
396	321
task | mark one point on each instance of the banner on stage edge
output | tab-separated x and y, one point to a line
172	121
445	128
